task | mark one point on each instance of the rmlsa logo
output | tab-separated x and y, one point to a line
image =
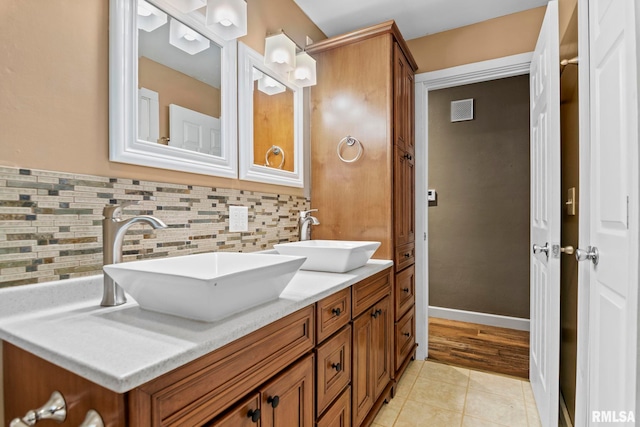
613	417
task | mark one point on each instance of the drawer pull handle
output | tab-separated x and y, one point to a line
406	334
376	313
405	290
55	409
336	366
92	419
274	401
336	311
254	415
407	255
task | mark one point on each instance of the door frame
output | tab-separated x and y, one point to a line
509	66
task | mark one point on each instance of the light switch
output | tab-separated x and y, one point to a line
431	195
238	218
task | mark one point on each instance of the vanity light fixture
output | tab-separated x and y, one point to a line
186	6
270	86
280	53
150	17
228	18
186	39
305	72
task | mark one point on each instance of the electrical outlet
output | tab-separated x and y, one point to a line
431	195
238	218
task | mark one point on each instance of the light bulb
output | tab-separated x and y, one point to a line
189	37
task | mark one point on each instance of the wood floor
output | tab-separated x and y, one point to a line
488	348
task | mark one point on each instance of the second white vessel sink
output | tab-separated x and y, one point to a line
208	286
334	256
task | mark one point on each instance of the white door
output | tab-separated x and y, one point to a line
544	360
148	115
194	131
613	206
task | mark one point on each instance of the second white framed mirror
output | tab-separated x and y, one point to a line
270	121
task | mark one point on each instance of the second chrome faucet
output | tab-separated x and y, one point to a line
305	223
114	227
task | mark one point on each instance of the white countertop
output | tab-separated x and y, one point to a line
123	347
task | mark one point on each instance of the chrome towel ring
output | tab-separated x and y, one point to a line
276	152
350	141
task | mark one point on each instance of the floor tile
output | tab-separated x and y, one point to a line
419	414
468	421
499	409
445	373
405	385
438	393
497	384
532	415
415	367
388	413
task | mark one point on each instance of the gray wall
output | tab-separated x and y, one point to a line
479	226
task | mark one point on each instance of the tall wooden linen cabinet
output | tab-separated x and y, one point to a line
365	95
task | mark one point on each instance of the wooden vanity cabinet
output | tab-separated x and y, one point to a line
366	90
279	375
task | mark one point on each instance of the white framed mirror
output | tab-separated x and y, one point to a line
172	88
270	123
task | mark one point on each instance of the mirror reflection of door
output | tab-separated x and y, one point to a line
273	123
184	68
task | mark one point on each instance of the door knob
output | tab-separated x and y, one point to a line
591	253
537	249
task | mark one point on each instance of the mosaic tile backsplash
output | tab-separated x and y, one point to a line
51	222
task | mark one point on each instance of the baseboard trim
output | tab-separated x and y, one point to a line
517	323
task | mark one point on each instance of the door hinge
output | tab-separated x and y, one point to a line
425	236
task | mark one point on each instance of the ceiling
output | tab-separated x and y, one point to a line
415	18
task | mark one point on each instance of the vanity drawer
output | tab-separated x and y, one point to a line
405	256
405	286
369	291
333	312
333	369
339	414
405	337
204	388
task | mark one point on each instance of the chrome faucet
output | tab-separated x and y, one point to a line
113	230
305	222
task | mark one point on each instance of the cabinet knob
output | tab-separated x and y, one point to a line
405	290
336	366
254	415
376	313
408	156
336	311
274	401
407	255
406	334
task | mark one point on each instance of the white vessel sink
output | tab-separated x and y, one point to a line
208	286
334	256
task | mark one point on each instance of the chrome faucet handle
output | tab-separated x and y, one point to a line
304	214
115	211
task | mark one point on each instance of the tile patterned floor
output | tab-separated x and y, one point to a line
434	395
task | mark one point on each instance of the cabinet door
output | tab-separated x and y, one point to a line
403	100
404	197
382	327
372	352
288	399
245	414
